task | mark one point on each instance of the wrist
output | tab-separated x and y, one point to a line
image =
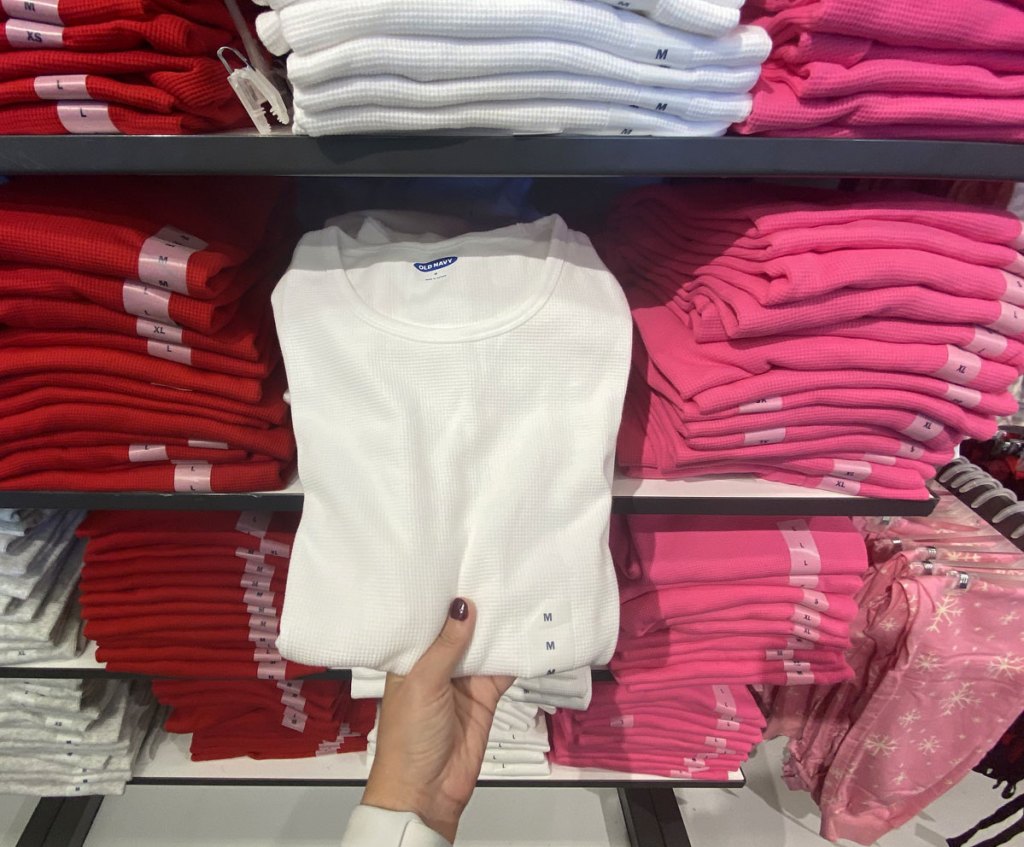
384	792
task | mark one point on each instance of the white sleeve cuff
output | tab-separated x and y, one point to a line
373	827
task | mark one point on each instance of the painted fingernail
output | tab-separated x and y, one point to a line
459	610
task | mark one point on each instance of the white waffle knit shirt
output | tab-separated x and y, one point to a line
455	406
396	91
705	17
309	26
431	59
517	117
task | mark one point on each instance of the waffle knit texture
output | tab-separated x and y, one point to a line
542	308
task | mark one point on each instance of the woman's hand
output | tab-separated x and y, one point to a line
433	731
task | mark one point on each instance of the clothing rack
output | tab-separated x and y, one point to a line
986	497
649	806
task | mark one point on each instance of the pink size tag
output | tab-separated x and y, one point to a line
923	429
1010	321
961	367
170	352
843	486
263	639
259	569
725	702
716	743
778	655
293	700
1016	265
910	451
193	478
795	643
765	436
68	87
208	445
27	35
258	597
623	722
292	685
795	667
250	555
875	459
259	583
799	678
263	623
969	398
253	523
768	404
805	617
677	774
294	719
41	11
798	581
144	301
1014	288
275	548
723	725
163	260
804	558
270	670
158	332
987	343
806	632
147	453
81	117
816	600
262	654
848	469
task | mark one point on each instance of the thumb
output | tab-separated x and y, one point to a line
443	656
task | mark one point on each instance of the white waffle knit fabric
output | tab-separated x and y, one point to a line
521	117
706	17
308	26
387	91
427	59
455	406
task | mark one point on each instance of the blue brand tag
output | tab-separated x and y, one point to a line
436	265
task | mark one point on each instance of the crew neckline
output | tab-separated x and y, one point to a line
552	227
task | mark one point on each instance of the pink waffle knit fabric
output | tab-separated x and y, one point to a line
932	24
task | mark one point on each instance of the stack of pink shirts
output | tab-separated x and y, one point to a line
684	732
137	348
839	341
939	69
938	676
719	600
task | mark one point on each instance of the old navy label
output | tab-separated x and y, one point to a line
436	264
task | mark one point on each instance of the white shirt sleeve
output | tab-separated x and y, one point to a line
373	827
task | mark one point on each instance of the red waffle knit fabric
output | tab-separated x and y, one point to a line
82	118
224	479
203	91
108	226
162	33
79	12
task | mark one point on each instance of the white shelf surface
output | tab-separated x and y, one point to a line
171	764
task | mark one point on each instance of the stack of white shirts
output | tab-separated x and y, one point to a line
679	68
518	743
66	737
38	573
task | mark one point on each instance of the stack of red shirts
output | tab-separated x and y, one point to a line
264	719
737	601
834	340
196	597
685	732
137	67
942	69
137	348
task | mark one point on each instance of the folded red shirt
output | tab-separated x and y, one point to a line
94	118
76	12
224	479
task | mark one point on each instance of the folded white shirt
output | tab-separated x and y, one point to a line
524	117
398	92
431	59
308	26
701	16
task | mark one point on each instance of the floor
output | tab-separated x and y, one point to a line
283	817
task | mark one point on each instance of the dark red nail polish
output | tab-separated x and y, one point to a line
459	610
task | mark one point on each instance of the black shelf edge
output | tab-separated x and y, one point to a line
287	155
284	501
524	782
